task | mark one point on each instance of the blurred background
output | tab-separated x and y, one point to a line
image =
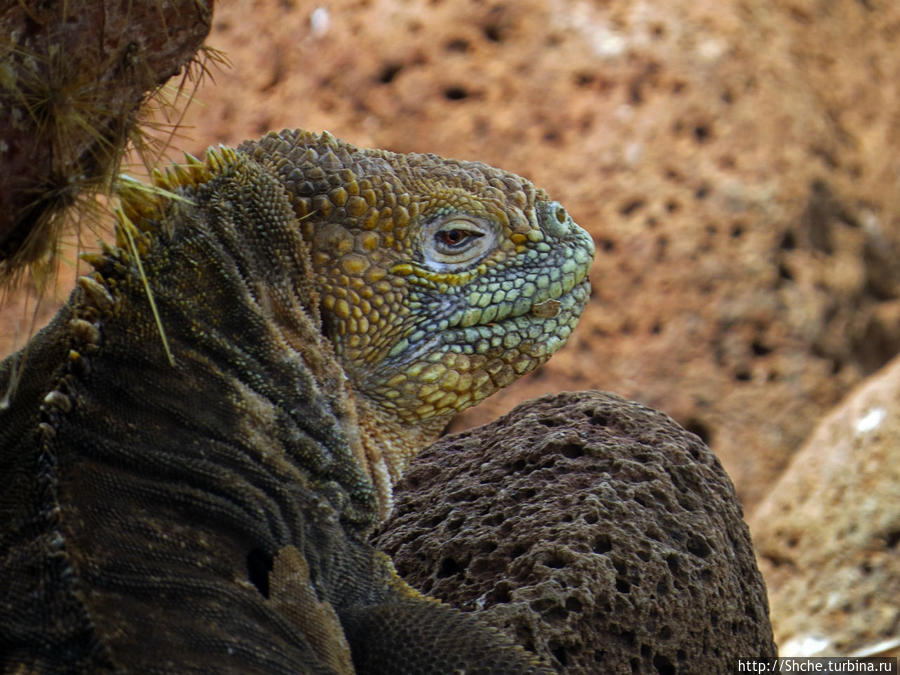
738	165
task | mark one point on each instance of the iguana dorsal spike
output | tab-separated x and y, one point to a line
95	260
191	160
159	179
96	293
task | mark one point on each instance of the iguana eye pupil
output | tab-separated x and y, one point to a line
454	237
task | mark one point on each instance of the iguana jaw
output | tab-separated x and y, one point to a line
408	421
453	369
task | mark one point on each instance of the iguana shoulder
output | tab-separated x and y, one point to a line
217	416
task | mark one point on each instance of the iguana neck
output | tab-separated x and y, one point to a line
390	444
233	294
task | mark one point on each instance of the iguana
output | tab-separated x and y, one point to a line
198	444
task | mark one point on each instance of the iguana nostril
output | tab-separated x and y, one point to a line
558	221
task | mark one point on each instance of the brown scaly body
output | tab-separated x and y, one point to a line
201	501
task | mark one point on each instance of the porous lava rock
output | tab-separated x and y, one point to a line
594	530
828	534
731	159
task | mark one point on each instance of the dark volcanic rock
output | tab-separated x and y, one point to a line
594	530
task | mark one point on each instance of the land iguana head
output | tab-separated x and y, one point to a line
441	281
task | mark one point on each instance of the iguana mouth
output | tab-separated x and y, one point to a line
560	309
527	323
546	303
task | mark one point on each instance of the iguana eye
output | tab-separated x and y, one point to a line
456	241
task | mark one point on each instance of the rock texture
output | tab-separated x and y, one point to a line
828	535
730	158
594	530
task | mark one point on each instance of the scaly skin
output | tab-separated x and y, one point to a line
200	442
425	332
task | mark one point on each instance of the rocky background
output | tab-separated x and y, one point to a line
737	165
